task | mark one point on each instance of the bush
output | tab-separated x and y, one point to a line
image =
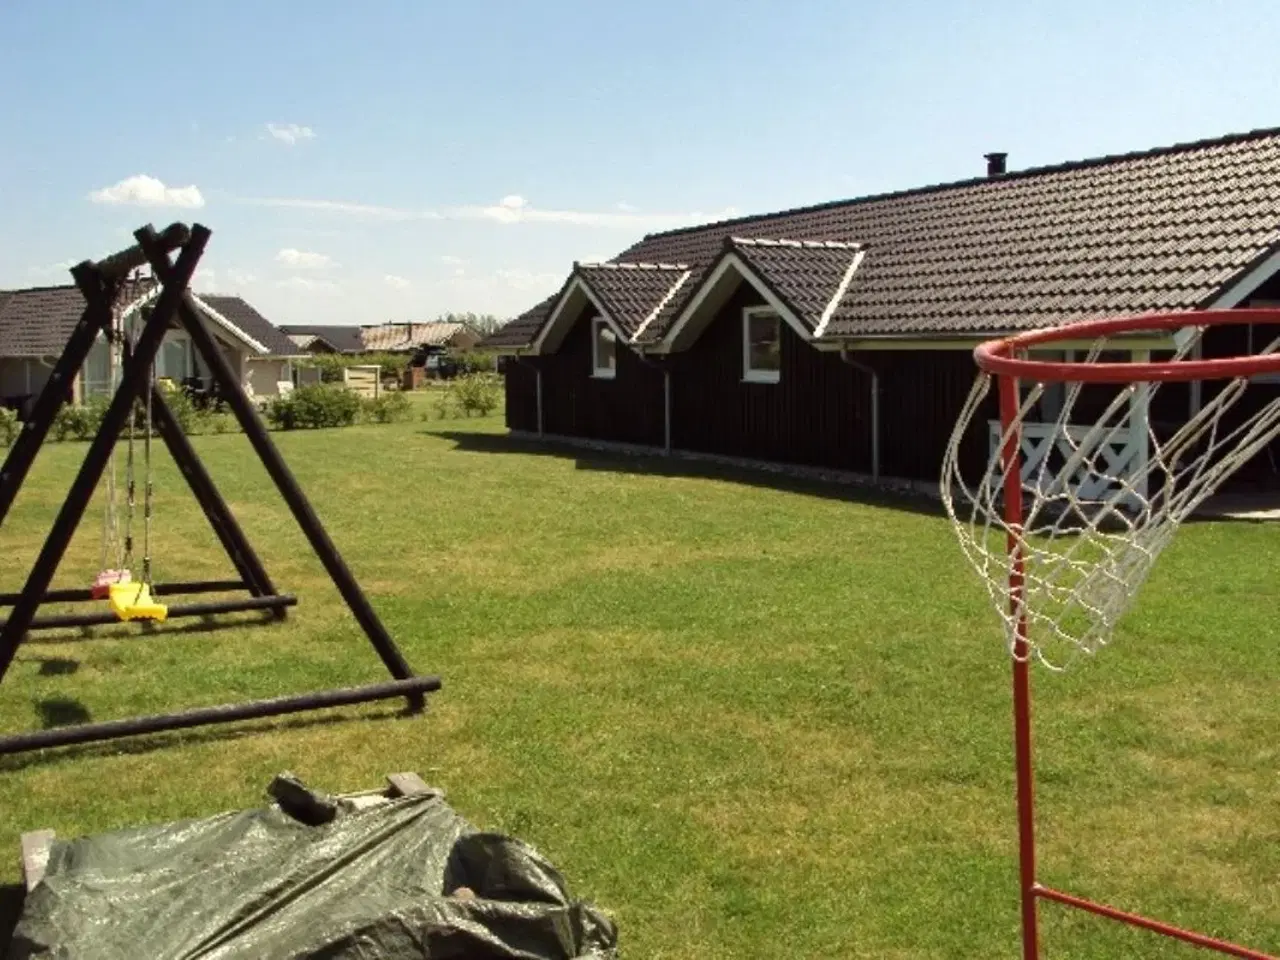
475	393
79	421
331	365
472	361
312	407
181	406
393	406
10	426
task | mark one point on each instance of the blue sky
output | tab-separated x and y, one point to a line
395	160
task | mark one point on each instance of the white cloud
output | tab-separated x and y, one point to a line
522	278
395	283
512	208
516	209
453	261
221	280
365	211
304	259
627	207
204	280
308	285
290	133
58	270
146	191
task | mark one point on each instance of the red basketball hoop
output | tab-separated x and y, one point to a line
1081	489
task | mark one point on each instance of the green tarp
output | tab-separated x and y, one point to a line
401	880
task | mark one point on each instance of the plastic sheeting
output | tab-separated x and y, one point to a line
310	878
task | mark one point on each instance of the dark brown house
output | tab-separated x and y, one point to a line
841	336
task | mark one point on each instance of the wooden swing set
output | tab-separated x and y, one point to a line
134	334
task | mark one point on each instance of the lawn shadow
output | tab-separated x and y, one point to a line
145	630
61	712
150	743
788	478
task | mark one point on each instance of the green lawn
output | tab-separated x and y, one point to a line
749	721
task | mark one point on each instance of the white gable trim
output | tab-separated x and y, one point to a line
730	261
231	327
841	290
662	303
1239	291
555	318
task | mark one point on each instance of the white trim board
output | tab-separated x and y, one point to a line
841	289
576	290
231	327
729	261
1243	286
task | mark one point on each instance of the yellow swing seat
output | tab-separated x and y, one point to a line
133	601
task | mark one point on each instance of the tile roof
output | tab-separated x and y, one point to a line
520	331
1162	229
38	322
813	279
344	339
410	336
633	294
253	324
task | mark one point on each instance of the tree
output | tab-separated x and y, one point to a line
482	323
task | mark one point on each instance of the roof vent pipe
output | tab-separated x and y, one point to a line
995	163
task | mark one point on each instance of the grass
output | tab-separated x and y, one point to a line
748	720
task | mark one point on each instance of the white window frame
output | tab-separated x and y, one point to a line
597	371
751	374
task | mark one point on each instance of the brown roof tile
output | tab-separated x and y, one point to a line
410	336
810	278
38	322
253	324
633	293
345	339
1162	229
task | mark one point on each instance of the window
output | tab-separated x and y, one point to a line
604	349
761	345
172	360
96	373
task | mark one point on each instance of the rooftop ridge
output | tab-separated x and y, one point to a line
1260	133
798	244
628	265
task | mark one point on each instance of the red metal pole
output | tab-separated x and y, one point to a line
1177	933
1011	456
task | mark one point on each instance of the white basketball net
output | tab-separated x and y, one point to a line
1103	494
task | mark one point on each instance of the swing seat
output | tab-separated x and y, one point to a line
133	601
104	580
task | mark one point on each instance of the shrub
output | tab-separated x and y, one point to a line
331	365
472	361
313	406
222	422
9	426
390	407
180	405
475	393
79	421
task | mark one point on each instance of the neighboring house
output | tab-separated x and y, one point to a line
841	335
424	341
318	338
36	323
417	338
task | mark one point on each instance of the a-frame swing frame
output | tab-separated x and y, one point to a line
99	283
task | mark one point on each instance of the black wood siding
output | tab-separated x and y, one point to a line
625	409
520	381
818	414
